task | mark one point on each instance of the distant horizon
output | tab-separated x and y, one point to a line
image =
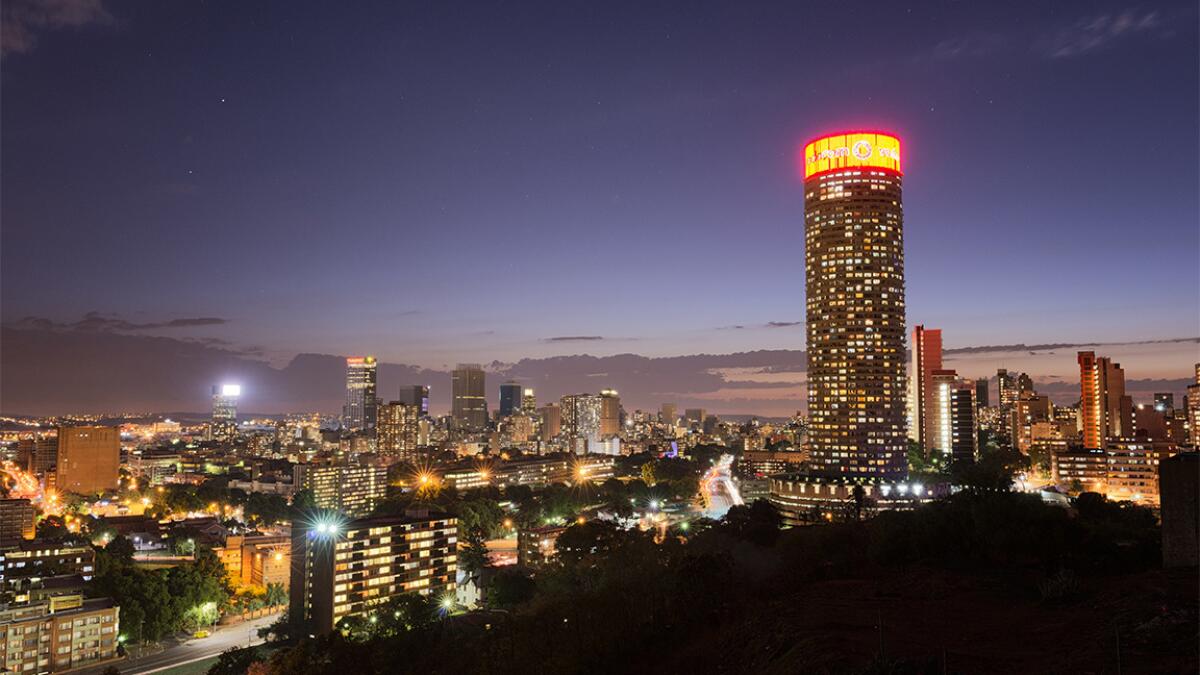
756	382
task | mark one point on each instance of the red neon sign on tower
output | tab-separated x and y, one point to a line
851	150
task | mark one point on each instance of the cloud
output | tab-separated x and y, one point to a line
1022	347
575	338
783	324
21	21
97	322
1094	33
971	45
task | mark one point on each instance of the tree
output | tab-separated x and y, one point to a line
234	661
120	550
509	588
473	557
648	474
275	595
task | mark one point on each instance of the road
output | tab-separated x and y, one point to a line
719	491
178	654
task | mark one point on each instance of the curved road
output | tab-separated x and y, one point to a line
719	491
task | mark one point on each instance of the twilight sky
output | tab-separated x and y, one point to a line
448	181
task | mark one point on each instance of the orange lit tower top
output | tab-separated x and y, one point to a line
854	287
852	149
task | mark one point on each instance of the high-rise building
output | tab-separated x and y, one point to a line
610	413
528	402
1105	411
981	392
510	398
468	405
964	433
415	395
1029	410
351	489
668	414
694	415
925	358
939	433
361	409
551	422
1192	403
352	569
89	459
854	263
580	421
398	430
224	412
225	402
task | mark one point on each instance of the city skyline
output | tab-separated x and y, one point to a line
1015	188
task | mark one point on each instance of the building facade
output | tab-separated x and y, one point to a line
360	411
468	404
1104	410
925	358
510	398
58	634
89	459
352	489
398	431
854	264
352	569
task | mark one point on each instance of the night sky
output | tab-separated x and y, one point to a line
441	181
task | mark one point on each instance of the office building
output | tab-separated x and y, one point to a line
854	264
551	422
610	413
415	395
981	392
38	454
1028	411
16	521
224	411
925	358
352	569
89	459
257	561
694	415
528	402
1083	469
580	421
468	405
510	398
58	634
360	411
398	431
668	414
351	489
1105	411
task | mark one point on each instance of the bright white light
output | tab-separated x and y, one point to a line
231	390
903	488
918	489
654	503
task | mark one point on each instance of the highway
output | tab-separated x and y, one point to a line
189	651
718	489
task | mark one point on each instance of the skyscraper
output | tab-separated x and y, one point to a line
224	411
360	411
924	359
854	263
551	421
1192	405
510	398
610	413
528	402
468	404
396	435
580	420
415	395
1105	411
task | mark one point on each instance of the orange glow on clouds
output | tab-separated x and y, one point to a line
850	150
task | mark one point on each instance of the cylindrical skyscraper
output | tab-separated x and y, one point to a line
854	262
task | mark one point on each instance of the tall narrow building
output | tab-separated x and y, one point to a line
416	395
925	358
610	413
360	411
854	263
510	398
1105	411
468	404
89	459
398	430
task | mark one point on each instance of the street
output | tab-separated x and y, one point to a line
177	654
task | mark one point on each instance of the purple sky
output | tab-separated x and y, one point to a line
441	182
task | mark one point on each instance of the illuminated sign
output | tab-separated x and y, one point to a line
360	360
851	150
231	390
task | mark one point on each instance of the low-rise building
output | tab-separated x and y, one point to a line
39	558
